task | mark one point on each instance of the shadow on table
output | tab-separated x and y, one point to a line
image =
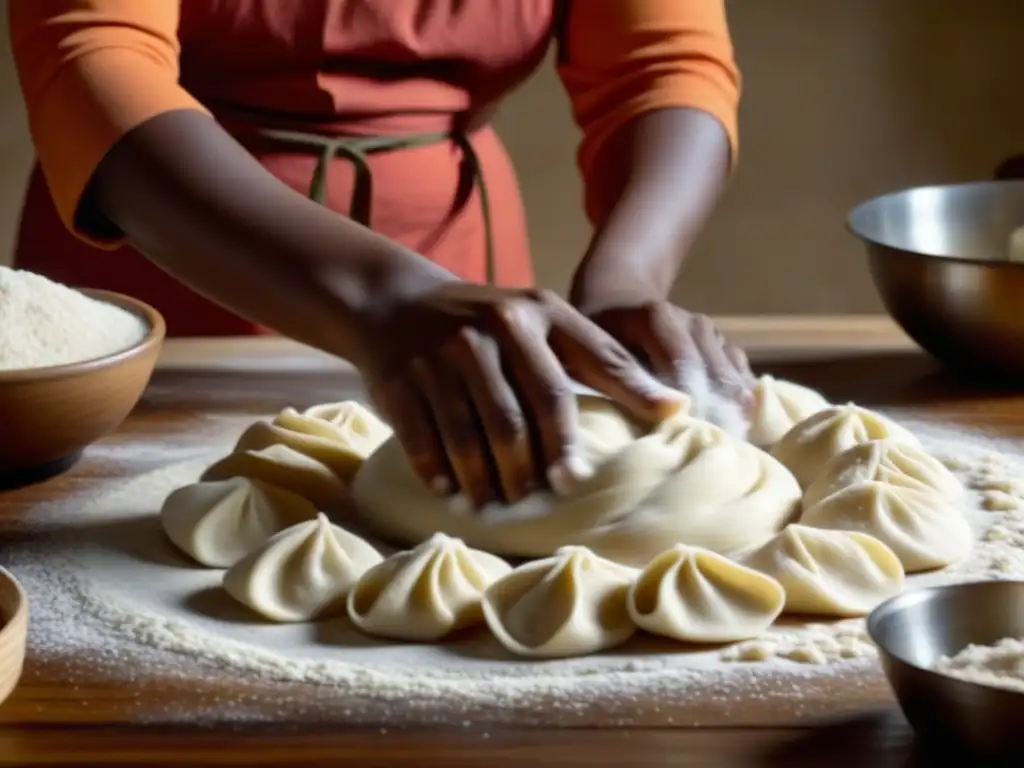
885	379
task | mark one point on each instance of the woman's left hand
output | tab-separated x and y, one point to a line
668	339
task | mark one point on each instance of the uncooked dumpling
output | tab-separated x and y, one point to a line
338	435
217	523
571	604
812	443
697	596
829	573
887	461
303	573
286	468
426	593
686	481
778	406
923	529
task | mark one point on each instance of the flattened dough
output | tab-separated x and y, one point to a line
697	596
686	481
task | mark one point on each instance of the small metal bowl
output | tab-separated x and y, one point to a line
914	629
939	258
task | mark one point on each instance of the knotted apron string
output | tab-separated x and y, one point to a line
356	149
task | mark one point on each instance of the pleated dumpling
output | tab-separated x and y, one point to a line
218	523
286	468
812	443
697	596
570	604
426	593
886	461
303	573
923	529
829	573
338	435
779	406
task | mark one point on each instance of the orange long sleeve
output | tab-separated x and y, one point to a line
91	71
622	58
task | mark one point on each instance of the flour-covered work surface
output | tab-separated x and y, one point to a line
688	569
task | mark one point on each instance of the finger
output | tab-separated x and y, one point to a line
478	361
670	345
408	413
725	375
546	394
464	445
596	359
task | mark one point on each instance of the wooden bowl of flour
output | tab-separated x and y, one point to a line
13	632
48	416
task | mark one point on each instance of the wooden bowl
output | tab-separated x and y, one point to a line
13	632
48	416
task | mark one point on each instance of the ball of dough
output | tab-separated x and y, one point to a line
302	573
218	523
286	468
338	435
697	596
424	594
886	461
812	443
829	573
778	407
686	481
923	529
571	604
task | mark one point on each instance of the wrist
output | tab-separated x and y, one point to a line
602	282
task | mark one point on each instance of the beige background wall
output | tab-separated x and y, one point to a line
843	100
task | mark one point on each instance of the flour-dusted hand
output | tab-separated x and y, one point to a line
476	382
671	340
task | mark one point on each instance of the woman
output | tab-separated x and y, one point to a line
220	139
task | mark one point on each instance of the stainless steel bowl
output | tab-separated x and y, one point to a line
939	260
914	629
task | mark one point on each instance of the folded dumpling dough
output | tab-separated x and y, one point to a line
779	406
426	593
812	443
829	573
923	529
571	604
686	481
338	435
887	461
697	596
217	523
286	468
302	573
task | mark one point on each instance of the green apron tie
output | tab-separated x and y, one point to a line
356	150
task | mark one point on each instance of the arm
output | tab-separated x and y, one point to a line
655	91
145	161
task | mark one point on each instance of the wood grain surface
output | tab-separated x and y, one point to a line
101	722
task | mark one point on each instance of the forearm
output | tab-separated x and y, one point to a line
665	171
202	208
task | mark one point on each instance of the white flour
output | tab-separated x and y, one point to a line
1000	665
43	323
105	585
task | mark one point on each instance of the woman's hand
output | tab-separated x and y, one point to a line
668	339
475	381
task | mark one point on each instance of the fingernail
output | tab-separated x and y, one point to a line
441	486
566	475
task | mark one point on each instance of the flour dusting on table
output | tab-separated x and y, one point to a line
104	584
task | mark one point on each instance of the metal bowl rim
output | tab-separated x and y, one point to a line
900	602
851	227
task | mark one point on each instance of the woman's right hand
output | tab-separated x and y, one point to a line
475	381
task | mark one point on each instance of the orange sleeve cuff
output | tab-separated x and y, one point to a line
101	96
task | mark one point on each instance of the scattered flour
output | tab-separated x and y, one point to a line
43	323
106	587
1000	665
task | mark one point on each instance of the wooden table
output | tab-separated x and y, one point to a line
46	723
